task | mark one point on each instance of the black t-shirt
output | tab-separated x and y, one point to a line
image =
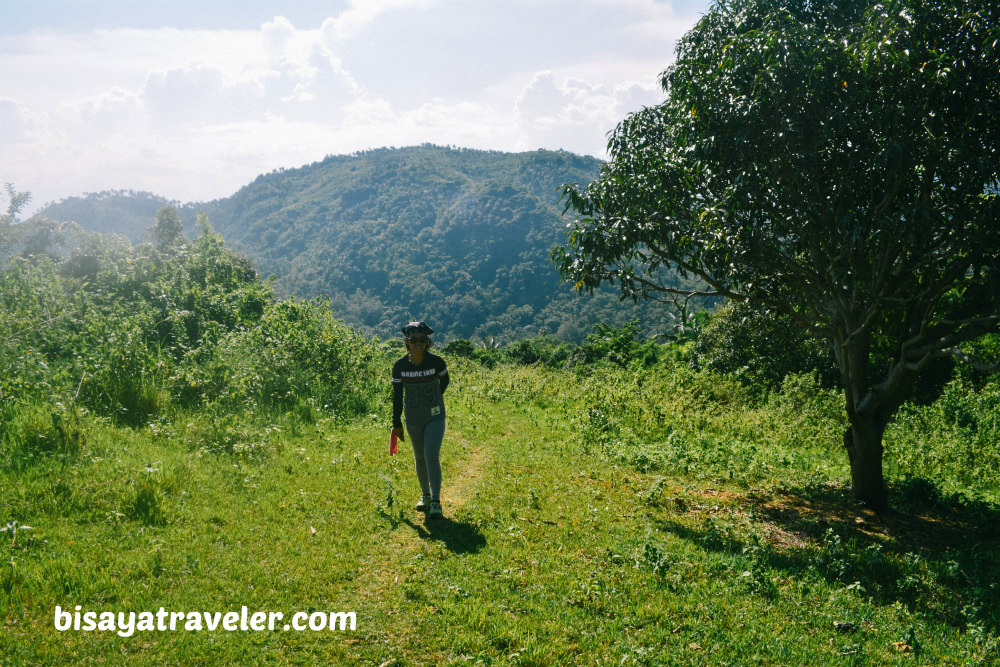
418	387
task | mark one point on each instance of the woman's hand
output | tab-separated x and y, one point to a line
399	432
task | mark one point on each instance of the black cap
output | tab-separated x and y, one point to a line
415	328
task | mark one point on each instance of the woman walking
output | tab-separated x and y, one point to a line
418	381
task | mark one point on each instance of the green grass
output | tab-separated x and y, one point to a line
618	518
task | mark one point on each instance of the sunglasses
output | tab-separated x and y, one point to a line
421	340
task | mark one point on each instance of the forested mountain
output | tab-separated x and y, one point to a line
458	237
124	212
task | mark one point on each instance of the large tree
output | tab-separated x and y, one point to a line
835	161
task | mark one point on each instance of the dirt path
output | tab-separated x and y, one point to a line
465	476
387	568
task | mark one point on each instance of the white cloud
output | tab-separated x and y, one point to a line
575	114
17	122
186	94
373	122
654	20
276	36
195	114
363	12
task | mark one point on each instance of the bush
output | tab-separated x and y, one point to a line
953	439
299	350
488	354
123	370
760	348
30	432
460	347
131	332
619	345
548	351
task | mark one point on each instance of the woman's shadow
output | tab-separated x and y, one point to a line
458	537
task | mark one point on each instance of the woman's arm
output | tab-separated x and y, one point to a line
443	376
397	397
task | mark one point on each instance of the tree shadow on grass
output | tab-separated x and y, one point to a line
921	521
938	555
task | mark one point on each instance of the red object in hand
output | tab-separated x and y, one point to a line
392	442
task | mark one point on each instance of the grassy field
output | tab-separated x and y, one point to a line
613	518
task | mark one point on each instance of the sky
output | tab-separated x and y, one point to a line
191	100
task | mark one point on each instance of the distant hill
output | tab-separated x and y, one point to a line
124	212
458	237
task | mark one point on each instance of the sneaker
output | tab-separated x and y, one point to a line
424	504
435	510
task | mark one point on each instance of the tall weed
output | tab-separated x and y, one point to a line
955	440
31	432
124	374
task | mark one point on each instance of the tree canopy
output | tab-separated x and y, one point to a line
16	201
837	162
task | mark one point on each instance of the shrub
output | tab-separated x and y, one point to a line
460	347
761	348
297	350
546	350
32	431
954	439
619	345
123	374
487	353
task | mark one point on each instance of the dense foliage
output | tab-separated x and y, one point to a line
457	237
742	341
135	334
832	161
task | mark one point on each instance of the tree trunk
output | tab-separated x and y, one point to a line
863	440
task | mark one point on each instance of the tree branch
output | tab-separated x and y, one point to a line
973	361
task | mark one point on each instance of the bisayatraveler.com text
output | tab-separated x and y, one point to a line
125	624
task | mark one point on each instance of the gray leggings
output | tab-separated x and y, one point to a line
426	441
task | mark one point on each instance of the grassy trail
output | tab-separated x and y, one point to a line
388	570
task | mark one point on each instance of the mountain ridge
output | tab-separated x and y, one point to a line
459	237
